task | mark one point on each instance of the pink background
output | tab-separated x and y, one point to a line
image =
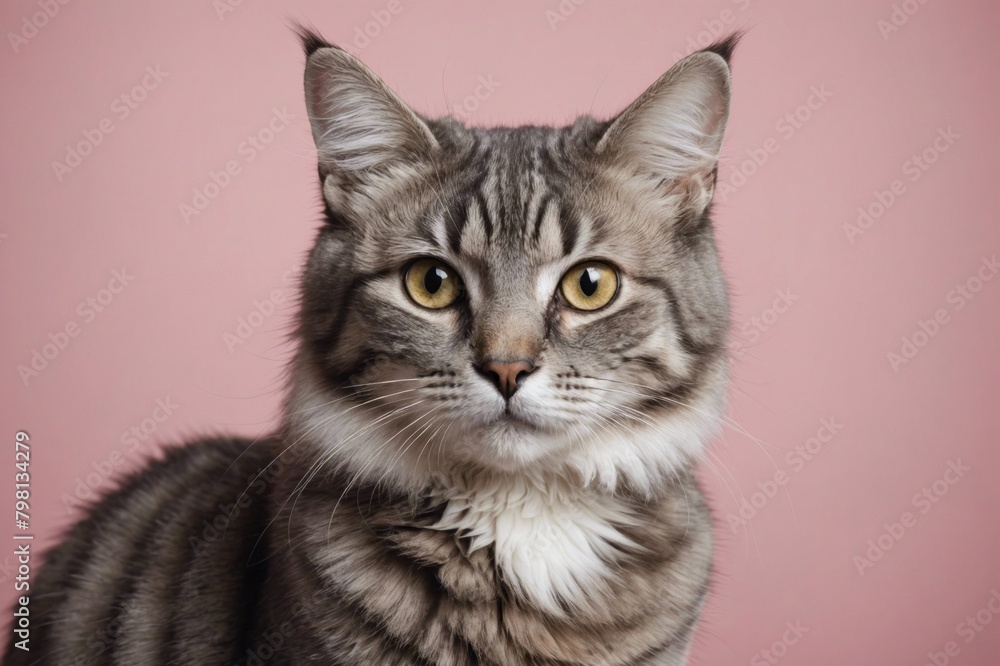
885	97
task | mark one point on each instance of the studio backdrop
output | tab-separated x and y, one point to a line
159	194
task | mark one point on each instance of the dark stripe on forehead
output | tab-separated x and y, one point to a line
456	217
504	221
457	212
529	190
570	227
549	164
543	206
598	228
484	214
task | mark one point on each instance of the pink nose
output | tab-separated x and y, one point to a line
507	376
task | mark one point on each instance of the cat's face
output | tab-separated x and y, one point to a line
515	298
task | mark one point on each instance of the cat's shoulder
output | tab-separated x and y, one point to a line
222	461
196	473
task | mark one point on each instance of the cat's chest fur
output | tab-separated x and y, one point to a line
510	572
553	544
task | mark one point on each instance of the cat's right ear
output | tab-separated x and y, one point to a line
361	128
672	133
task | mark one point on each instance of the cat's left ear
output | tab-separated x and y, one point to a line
673	132
360	126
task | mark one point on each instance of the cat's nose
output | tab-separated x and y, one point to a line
507	376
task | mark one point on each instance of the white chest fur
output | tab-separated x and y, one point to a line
552	542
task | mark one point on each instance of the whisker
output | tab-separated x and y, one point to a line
720	417
360	472
315	468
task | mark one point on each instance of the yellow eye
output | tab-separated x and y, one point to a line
432	283
590	285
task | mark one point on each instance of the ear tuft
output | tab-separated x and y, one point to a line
310	38
725	46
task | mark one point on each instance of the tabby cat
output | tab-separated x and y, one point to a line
511	353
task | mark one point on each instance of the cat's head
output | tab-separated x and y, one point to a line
529	298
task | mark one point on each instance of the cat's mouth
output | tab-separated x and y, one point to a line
510	416
516	417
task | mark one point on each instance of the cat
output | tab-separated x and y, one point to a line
511	353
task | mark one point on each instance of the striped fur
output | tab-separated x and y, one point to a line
407	512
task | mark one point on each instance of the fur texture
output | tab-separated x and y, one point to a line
408	511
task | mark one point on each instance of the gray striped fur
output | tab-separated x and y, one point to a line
406	512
